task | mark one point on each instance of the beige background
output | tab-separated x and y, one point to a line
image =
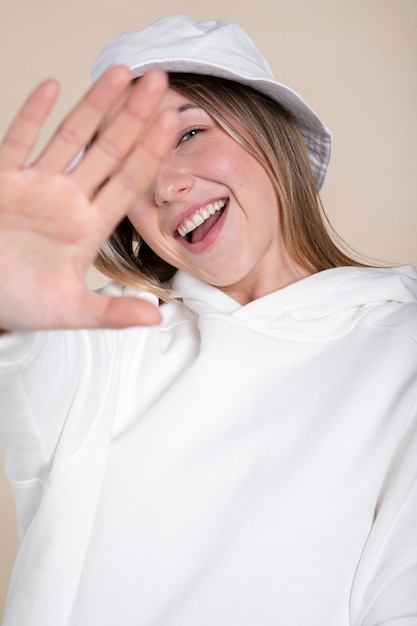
353	60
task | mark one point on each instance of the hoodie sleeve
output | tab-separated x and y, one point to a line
39	377
385	587
39	373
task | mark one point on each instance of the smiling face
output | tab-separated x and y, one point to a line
213	211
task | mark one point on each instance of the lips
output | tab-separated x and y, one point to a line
195	226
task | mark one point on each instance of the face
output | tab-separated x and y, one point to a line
212	211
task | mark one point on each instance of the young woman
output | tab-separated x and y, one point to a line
226	434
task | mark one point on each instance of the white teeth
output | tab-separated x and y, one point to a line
198	219
200	216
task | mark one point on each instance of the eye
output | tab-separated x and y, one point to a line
189	134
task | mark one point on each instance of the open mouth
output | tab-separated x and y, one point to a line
195	227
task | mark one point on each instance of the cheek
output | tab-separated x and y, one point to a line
220	159
255	188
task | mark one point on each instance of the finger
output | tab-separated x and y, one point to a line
139	170
80	125
24	130
121	131
120	312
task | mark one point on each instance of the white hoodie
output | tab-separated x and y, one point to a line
236	466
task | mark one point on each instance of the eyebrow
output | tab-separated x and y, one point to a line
187	106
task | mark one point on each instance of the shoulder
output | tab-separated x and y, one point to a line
397	317
389	297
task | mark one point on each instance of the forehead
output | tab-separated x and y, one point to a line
175	100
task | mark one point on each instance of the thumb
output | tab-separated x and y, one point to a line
119	312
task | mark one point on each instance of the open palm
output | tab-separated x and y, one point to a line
53	219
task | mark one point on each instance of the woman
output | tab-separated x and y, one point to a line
249	457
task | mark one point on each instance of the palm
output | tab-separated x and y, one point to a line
50	237
52	223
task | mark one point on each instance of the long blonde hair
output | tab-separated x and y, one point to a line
278	145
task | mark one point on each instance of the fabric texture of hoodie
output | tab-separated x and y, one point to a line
235	466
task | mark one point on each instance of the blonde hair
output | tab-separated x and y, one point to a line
276	142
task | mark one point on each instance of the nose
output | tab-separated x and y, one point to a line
172	181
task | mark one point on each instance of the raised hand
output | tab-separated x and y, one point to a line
53	221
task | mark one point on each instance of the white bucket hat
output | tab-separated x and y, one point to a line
176	43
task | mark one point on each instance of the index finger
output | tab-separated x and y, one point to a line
133	178
120	131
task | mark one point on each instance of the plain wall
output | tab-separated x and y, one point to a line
353	60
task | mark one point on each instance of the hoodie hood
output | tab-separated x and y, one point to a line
325	304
